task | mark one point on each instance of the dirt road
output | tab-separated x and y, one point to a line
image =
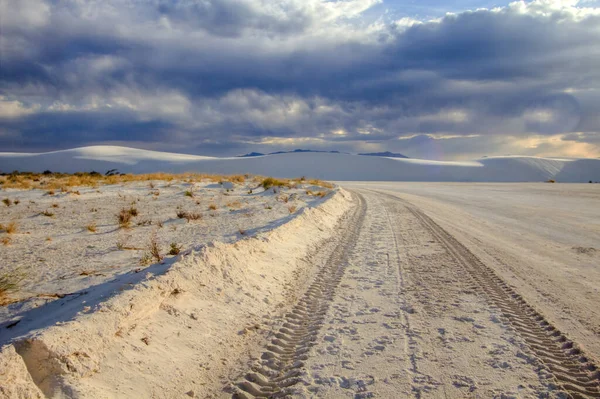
400	308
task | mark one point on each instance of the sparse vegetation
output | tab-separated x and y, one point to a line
175	249
6	240
11	227
234	204
212	207
292	208
154	248
189	215
124	218
271	182
8	283
189	193
7	201
91	227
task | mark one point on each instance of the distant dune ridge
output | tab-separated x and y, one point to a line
322	165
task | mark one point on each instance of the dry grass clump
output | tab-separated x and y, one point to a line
189	215
234	205
212	207
175	249
321	183
320	194
7	201
6	240
62	181
272	182
91	227
9	228
153	253
8	283
237	178
292	208
47	213
124	217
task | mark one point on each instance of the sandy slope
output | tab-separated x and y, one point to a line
316	165
175	329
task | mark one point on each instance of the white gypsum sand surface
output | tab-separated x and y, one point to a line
66	241
178	323
541	238
402	308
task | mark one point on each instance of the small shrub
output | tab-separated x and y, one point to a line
8	283
50	192
91	227
175	249
146	259
212	207
47	213
551	181
7	201
16	202
133	211
234	204
55	205
242	231
292	208
250	191
124	218
155	249
6	240
271	182
189	193
189	215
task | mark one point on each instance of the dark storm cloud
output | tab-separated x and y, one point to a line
244	71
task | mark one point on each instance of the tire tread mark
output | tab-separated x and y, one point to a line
574	372
281	365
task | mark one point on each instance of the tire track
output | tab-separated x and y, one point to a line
575	373
281	366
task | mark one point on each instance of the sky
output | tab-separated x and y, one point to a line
434	79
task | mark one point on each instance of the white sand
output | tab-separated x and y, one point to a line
392	290
171	329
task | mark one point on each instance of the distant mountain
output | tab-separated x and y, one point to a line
300	150
259	154
385	154
251	154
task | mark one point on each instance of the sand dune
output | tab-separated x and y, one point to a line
318	165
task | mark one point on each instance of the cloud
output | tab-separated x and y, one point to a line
236	74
